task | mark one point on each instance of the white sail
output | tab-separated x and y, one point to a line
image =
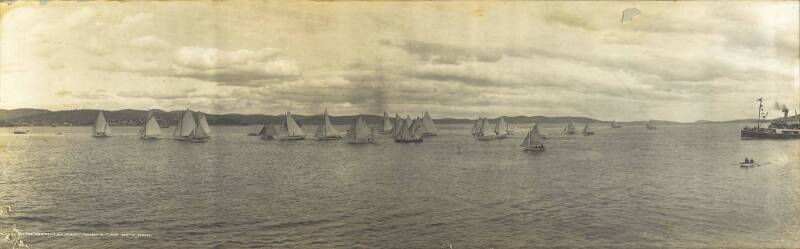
586	129
485	129
202	122
404	133
570	127
269	131
476	126
396	128
186	125
418	128
502	127
101	126
387	123
428	125
325	129
359	131
290	127
202	130
150	127
533	138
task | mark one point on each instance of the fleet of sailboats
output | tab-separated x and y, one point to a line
360	132
150	128
101	127
195	127
325	130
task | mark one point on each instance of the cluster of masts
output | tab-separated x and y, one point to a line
194	127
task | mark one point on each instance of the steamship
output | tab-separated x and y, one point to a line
780	128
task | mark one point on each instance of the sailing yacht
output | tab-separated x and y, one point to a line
587	131
476	126
202	132
289	129
533	140
407	133
388	127
485	131
150	128
651	125
325	130
396	127
257	131
428	125
501	129
570	129
101	127
614	124
269	132
360	132
185	127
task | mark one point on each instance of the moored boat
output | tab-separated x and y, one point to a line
780	128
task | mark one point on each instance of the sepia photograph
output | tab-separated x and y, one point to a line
399	124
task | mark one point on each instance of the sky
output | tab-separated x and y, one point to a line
680	61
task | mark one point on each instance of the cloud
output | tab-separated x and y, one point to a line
99	94
149	43
442	54
249	68
160	94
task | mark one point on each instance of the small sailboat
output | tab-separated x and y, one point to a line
501	129
185	127
614	124
101	127
485	131
398	122
533	140
289	129
325	130
651	125
587	131
202	132
269	132
150	128
360	132
476	126
429	128
407	132
388	127
570	129
257	131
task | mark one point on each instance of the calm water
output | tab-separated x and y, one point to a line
679	186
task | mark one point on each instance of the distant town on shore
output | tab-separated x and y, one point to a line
130	117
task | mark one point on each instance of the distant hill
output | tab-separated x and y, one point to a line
135	117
